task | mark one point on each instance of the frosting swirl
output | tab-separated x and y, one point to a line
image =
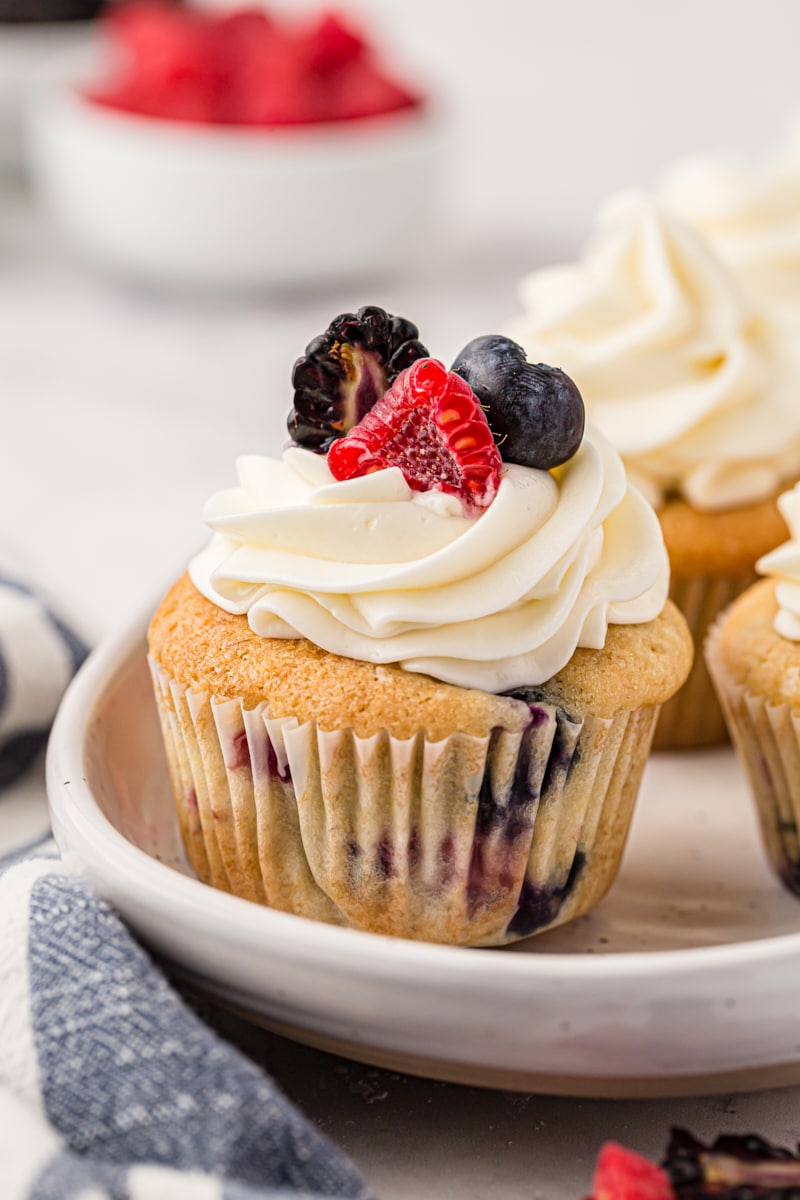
688	384
369	569
750	216
783	564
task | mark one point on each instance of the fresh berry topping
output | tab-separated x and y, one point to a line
431	426
622	1175
535	412
345	370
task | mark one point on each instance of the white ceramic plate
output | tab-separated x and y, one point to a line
684	979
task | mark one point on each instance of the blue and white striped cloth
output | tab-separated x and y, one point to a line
39	654
110	1087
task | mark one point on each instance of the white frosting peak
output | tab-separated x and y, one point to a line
750	216
784	565
369	569
683	378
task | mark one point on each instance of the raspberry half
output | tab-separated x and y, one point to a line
621	1174
430	425
345	370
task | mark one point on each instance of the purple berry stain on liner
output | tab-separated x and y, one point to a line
385	858
503	830
504	827
538	906
240	753
447	860
273	764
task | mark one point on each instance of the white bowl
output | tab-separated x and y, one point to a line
178	204
684	979
32	54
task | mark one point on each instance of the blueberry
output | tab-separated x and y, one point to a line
534	411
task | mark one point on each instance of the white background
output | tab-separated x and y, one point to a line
121	410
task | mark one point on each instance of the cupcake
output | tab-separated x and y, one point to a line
409	686
750	216
753	654
698	393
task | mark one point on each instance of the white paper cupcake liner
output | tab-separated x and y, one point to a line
767	737
466	840
693	716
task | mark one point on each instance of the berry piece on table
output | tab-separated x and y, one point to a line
346	370
621	1174
742	1167
534	411
431	426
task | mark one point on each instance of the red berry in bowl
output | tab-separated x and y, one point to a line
242	68
430	425
330	44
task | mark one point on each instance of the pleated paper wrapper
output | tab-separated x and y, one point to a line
466	840
767	737
693	716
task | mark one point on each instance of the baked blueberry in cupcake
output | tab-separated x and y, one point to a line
696	389
410	684
753	654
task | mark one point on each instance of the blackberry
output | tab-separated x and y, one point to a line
345	371
743	1167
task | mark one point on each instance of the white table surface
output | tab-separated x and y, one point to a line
122	410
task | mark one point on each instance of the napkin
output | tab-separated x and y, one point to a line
111	1088
39	653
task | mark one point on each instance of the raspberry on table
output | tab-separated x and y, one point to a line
621	1174
429	424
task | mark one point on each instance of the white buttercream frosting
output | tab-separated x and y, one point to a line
784	565
698	394
750	215
369	569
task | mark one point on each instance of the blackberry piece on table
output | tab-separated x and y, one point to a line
346	370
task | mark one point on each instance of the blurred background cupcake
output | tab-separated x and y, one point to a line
749	212
696	388
753	653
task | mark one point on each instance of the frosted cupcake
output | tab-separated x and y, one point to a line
750	216
699	395
410	687
754	657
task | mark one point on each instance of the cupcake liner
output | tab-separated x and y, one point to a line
466	840
693	716
767	737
